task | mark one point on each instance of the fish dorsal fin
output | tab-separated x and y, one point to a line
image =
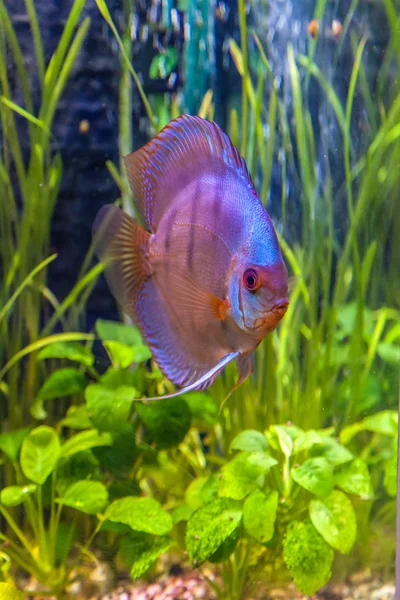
181	150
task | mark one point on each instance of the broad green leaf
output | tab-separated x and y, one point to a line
11	442
308	439
120	456
80	466
121	355
84	441
334	452
283	437
39	453
71	351
193	492
307	556
89	497
315	475
259	514
140	514
163	64
249	440
334	518
354	478
141	550
240	476
226	548
210	526
76	418
182	513
166	422
109	409
118	332
202	407
390	353
16	494
384	423
64	382
10	592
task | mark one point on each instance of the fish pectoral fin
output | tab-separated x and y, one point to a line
188	296
200	383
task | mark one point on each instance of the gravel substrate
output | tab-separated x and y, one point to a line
191	585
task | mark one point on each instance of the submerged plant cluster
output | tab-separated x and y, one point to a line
298	468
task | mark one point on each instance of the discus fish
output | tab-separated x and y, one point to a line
204	279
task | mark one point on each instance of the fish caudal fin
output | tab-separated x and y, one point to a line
201	383
121	244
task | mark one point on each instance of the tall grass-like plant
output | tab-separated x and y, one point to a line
28	190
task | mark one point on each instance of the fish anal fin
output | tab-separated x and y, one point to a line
202	382
121	244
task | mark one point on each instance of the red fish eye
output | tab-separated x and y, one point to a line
250	280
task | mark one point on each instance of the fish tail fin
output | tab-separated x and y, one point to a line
121	244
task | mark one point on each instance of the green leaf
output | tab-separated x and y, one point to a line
39	453
11	442
384	423
182	513
249	440
334	518
390	353
89	497
14	495
259	514
119	457
226	548
285	440
71	351
82	465
308	439
193	492
64	382
10	592
141	550
210	526
166	422
84	441
202	407
315	475
334	452
76	418
307	556
109	409
140	514
240	476
163	64
118	332
121	355
354	478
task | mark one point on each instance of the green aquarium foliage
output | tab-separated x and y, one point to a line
284	501
291	478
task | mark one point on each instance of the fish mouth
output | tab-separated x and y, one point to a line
271	318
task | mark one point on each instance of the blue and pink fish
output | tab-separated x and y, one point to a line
204	279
